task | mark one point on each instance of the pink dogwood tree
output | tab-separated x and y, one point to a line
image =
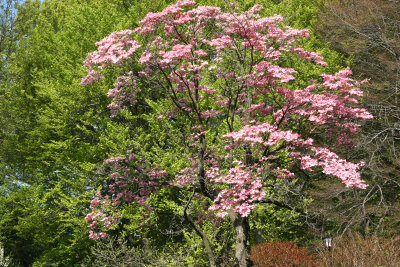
224	73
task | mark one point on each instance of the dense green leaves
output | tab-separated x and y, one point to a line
55	135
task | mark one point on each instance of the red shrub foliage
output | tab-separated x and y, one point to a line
278	254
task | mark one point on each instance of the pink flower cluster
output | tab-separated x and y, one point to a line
333	106
128	174
309	55
335	166
178	52
331	163
113	49
123	93
220	43
188	175
129	183
153	19
92	76
258	134
98	218
244	189
266	73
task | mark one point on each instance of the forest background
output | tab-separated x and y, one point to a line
55	135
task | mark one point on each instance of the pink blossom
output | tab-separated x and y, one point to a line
93	225
93	76
93	235
245	189
88	218
209	113
102	235
178	52
113	49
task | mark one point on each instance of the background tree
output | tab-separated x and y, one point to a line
7	33
50	139
368	33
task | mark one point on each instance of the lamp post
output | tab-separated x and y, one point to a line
328	242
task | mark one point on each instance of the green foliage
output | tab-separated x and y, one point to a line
44	226
56	134
274	224
52	138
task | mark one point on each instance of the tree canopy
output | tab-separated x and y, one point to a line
220	77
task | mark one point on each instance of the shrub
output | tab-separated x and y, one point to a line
280	254
356	251
113	252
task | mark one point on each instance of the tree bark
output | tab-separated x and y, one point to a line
206	242
242	248
203	188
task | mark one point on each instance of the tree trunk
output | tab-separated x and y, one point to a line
203	188
242	248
